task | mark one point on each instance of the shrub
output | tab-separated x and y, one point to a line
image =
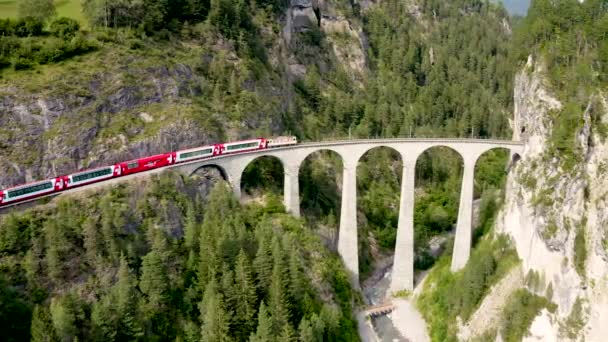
9	45
4	62
447	295
29	26
575	321
64	27
7	27
580	251
519	312
22	64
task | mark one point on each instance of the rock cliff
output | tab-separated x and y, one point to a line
125	102
557	215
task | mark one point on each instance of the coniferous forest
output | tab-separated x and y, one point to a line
127	264
168	259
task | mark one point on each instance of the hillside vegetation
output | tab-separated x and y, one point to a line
136	78
158	264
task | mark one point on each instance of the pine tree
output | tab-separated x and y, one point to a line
216	319
42	329
305	332
228	291
191	229
192	332
287	334
104	318
263	265
154	282
297	280
58	249
264	330
126	303
91	240
278	302
245	297
65	314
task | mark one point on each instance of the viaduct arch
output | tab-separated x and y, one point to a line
351	151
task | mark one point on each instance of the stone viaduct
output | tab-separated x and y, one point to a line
351	151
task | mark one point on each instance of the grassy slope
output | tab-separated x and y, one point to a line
65	8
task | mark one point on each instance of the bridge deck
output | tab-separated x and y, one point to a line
381	309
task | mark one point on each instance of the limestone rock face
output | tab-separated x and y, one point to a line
546	207
47	134
303	14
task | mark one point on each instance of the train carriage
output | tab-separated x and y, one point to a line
198	153
92	176
244	146
147	163
282	141
31	190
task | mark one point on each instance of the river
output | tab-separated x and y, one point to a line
374	290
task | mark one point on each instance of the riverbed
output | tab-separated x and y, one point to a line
374	290
385	327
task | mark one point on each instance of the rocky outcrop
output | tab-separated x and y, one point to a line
305	14
348	43
45	134
558	217
301	16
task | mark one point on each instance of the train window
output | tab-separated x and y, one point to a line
132	165
92	174
29	189
195	153
240	146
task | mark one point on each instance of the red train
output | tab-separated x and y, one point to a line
37	189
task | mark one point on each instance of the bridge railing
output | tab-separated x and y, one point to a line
346	139
411	136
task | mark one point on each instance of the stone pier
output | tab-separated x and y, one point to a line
403	262
462	241
348	246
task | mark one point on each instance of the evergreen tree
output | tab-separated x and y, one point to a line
65	315
264	329
91	240
278	302
287	334
58	248
245	297
305	332
191	230
263	264
42	329
297	280
215	318
15	314
154	282
127	296
104	319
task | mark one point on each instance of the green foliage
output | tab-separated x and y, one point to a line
42	329
575	322
580	250
570	36
451	77
64	27
519	312
15	313
447	295
117	265
24	43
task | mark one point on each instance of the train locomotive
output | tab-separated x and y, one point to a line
30	191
